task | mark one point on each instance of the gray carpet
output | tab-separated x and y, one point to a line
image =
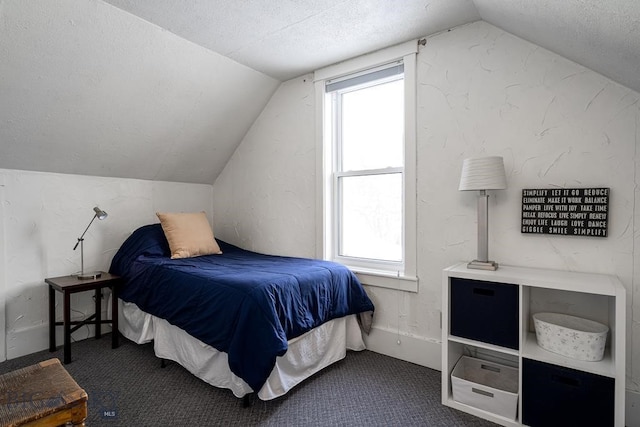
127	387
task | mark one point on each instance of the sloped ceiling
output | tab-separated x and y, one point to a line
603	35
89	89
166	90
287	38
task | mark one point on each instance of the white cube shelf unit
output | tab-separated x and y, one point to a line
488	315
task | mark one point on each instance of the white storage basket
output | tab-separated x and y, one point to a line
486	385
571	336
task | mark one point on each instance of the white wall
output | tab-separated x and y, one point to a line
265	198
42	216
484	92
481	91
2	274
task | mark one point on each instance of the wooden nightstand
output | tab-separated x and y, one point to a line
70	285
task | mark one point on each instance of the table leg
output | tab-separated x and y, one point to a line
98	313
115	333
52	319
67	327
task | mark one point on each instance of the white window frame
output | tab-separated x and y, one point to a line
388	267
404	278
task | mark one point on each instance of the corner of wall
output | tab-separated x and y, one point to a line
3	347
421	351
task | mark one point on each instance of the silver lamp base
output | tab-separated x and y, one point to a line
89	275
483	265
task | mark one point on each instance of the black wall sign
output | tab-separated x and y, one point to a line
565	211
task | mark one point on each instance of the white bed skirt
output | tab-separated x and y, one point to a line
307	354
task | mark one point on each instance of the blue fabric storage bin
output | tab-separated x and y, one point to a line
485	311
569	397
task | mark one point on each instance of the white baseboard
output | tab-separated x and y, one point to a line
21	342
419	350
632	409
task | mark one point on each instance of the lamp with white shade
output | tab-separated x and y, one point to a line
482	174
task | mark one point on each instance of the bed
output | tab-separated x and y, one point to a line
240	320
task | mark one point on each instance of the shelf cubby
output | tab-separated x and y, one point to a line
596	297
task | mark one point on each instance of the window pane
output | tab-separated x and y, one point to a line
373	127
371	213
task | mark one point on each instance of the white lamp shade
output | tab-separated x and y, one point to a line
483	173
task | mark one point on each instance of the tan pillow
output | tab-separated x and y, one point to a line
189	234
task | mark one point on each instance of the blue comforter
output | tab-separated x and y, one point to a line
240	302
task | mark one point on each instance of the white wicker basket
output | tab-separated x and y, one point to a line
571	336
486	385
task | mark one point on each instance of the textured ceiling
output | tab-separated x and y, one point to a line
603	35
288	38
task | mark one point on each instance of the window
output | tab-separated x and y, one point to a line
368	171
367	134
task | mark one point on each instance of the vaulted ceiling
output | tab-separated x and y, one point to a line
166	90
287	38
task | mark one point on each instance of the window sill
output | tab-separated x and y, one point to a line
386	280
